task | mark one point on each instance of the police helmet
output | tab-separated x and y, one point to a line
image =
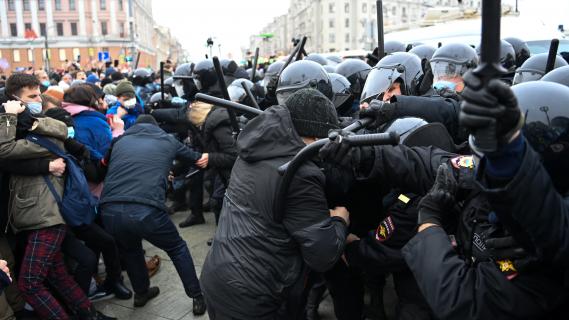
423	51
204	75
507	56
317	58
546	127
169	86
303	74
141	77
329	69
559	75
236	91
416	132
453	60
394	46
334	60
521	48
356	71
272	71
181	81
343	97
402	67
157	97
259	74
534	68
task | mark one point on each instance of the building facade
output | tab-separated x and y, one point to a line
77	30
338	25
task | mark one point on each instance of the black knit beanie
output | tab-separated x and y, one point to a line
313	115
146	118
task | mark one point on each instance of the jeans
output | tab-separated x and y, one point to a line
129	224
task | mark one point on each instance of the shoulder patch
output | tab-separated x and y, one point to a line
463	162
385	229
507	268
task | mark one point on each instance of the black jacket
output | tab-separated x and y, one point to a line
138	165
464	282
217	136
532	200
254	261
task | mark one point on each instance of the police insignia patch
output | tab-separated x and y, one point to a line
507	267
463	162
385	229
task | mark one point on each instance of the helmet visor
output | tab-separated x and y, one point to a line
526	76
444	70
179	87
378	81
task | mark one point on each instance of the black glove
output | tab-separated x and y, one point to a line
380	112
77	149
494	103
440	200
337	151
507	248
272	86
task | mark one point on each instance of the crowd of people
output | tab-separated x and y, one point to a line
467	214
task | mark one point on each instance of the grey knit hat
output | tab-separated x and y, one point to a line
124	87
313	115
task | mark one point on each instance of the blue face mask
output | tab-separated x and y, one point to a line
444	85
70	132
46	83
34	107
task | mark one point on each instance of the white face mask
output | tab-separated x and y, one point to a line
130	103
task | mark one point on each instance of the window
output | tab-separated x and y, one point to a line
13	29
76	54
364	7
42	29
104	30
347	8
59	27
11	5
57	5
62	55
331	38
73	28
26	5
331	23
41	5
121	8
347	38
103	4
27	26
331	8
72	5
347	23
121	29
16	55
394	10
30	55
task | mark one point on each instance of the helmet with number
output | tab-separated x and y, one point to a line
182	82
451	61
205	78
423	51
534	68
546	128
272	72
402	67
521	48
559	75
317	58
141	77
507	56
356	71
303	74
394	46
343	97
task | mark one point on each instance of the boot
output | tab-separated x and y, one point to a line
140	300
119	289
199	305
177	206
92	314
209	242
191	220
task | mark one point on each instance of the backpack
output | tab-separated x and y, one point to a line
77	205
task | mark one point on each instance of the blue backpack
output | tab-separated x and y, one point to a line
77	206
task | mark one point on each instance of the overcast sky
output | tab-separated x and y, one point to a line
231	22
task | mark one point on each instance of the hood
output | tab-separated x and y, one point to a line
269	135
198	112
144	128
75	109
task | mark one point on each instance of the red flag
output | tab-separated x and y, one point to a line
30	34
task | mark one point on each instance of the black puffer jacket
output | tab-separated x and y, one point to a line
219	143
254	261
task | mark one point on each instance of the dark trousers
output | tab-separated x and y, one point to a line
347	290
129	224
85	266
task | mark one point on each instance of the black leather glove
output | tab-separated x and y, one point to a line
494	103
437	204
380	112
337	151
507	248
272	86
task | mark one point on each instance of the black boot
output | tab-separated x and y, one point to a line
192	219
177	206
92	314
140	300
199	305
119	289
